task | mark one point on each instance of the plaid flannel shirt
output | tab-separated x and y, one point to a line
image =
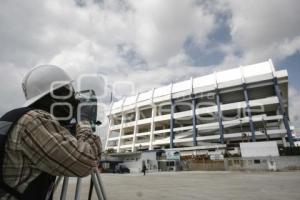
39	143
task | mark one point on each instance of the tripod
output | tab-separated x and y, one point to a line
88	98
94	183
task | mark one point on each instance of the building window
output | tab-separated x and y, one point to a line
256	161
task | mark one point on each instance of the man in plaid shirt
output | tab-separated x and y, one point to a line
40	145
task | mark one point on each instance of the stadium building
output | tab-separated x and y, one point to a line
208	113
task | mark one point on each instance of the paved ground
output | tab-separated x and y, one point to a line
198	185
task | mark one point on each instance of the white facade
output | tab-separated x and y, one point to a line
190	113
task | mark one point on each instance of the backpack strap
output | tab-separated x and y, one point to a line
7	122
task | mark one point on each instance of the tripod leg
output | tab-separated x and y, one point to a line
101	185
91	189
64	189
77	192
50	196
57	183
96	185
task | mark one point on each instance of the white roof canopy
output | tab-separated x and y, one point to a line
222	79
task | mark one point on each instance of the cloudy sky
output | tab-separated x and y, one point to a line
146	42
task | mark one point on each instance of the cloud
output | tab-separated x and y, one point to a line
152	29
265	29
162	27
294	108
136	40
11	90
141	42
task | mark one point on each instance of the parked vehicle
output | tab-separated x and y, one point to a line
121	169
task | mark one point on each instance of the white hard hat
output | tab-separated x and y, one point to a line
41	80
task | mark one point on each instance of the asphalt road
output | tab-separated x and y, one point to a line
196	185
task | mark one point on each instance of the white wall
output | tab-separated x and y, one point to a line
135	165
259	149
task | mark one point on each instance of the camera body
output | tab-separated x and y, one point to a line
88	98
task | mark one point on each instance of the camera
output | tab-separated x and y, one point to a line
88	98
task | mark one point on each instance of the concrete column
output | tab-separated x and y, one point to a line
172	123
152	127
110	123
284	140
218	101
135	129
195	131
248	111
283	112
121	132
108	132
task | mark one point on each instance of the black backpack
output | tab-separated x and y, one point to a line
39	188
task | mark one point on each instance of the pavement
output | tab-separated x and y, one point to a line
196	185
